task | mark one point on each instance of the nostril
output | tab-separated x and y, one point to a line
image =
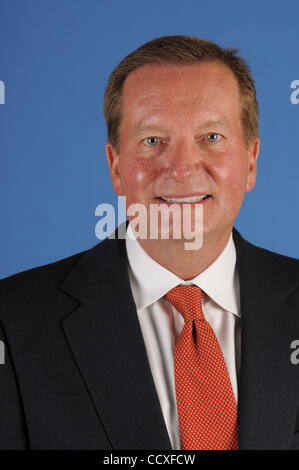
179	170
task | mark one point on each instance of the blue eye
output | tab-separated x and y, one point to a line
151	141
213	137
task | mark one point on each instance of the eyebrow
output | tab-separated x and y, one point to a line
142	127
222	121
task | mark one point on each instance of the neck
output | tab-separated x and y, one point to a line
186	264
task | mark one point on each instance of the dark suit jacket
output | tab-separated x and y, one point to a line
76	373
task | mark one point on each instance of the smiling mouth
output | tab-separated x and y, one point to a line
188	199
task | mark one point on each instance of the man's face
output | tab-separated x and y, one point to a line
180	136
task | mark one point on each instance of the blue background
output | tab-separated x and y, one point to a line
55	60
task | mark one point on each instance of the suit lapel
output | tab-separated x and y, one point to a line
269	382
105	337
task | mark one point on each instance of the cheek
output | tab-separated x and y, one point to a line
231	174
137	174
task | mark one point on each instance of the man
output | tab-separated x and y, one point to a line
141	343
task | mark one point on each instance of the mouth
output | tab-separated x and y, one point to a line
185	199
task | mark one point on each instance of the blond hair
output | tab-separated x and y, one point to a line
181	50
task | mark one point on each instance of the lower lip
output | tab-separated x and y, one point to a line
203	201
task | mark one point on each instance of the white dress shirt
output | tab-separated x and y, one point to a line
161	323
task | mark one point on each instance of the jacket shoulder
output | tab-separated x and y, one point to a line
32	280
42	285
261	256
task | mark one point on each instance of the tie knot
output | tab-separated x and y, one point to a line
188	301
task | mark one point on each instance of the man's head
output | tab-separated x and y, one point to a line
181	50
183	128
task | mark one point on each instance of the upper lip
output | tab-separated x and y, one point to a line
183	195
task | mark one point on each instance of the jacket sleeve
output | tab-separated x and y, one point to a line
13	430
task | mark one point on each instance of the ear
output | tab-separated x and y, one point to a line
113	163
253	152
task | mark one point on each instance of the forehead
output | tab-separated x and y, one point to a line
171	84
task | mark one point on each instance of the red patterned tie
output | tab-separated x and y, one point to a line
205	401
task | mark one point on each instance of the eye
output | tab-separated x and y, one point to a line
213	137
152	141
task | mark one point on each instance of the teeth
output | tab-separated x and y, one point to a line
185	199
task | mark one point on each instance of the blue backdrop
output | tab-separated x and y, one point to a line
55	59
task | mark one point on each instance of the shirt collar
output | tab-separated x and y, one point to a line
150	280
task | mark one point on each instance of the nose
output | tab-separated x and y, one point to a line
182	160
